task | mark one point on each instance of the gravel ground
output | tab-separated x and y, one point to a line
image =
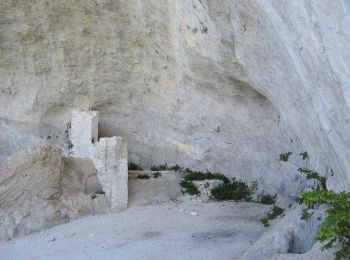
172	230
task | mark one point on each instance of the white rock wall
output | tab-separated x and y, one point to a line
225	85
296	53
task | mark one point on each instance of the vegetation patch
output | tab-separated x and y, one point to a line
143	176
157	174
134	167
189	187
201	176
229	190
305	215
267	199
335	229
273	214
166	167
176	167
162	167
233	190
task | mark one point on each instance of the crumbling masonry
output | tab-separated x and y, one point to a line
108	154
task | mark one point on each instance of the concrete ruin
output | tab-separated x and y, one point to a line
108	154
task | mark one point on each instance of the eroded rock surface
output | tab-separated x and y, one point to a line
290	238
164	75
224	85
40	189
219	85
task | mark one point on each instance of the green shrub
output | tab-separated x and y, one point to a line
229	190
305	215
157	174
312	175
191	176
143	176
201	176
189	187
267	199
134	167
273	214
176	167
235	190
265	222
165	167
335	229
162	167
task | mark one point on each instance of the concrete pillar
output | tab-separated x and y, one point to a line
109	155
84	133
112	170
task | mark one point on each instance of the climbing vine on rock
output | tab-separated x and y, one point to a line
335	229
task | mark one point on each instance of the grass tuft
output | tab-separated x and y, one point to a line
267	199
143	176
201	176
134	167
235	190
273	214
189	187
157	174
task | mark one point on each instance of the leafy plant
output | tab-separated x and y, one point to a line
284	157
143	176
273	214
134	167
267	199
265	222
335	229
191	176
157	174
304	156
200	176
162	167
312	175
305	215
235	190
189	187
176	167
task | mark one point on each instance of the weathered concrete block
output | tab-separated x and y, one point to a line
109	155
84	132
112	170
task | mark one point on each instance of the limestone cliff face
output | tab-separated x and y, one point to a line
224	85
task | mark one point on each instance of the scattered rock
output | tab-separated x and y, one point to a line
205	188
193	213
51	239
